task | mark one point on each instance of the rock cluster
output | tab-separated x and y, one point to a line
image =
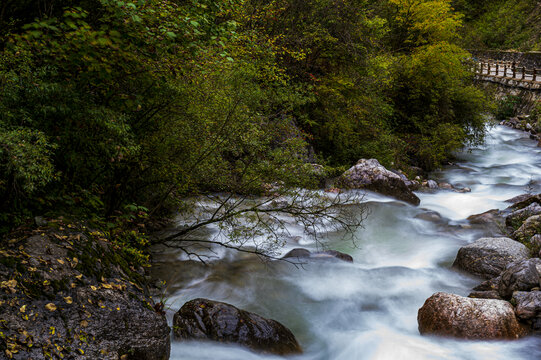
512	268
525	123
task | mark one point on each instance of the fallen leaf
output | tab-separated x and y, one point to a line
50	307
68	299
23	308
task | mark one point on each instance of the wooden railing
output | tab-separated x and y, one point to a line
509	70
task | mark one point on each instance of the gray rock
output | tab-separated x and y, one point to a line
452	315
488	285
432	184
519	276
371	175
204	319
528	304
516	218
530	227
488	257
327	254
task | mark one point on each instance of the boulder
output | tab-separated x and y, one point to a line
488	257
528	304
530	227
488	217
516	218
453	315
522	201
489	285
371	175
301	253
519	276
431	184
490	294
203	319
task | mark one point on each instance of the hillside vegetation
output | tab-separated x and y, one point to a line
501	24
113	106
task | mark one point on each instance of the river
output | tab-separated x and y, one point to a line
368	309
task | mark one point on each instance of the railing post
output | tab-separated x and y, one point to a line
514	69
481	72
534	74
505	69
488	68
497	68
523	73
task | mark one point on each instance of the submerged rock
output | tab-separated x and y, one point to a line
488	257
453	315
327	254
203	319
371	175
519	276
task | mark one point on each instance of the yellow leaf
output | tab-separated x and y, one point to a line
46	282
60	261
50	307
81	351
107	286
84	323
68	299
23	308
79	277
93	287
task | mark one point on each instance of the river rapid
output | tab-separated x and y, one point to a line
368	309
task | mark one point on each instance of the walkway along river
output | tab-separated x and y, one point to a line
368	309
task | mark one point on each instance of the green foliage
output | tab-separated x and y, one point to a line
107	103
503	24
506	107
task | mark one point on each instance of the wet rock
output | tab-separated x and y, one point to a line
488	257
530	227
522	201
371	175
487	217
488	285
446	186
327	254
452	315
431	184
528	304
491	294
203	319
516	218
519	276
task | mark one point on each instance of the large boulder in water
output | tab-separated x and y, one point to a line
453	315
519	276
203	319
488	257
371	175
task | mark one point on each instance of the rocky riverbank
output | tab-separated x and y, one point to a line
67	292
508	304
525	123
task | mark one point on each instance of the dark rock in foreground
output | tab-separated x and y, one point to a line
69	294
203	319
371	175
488	257
301	253
456	316
528	304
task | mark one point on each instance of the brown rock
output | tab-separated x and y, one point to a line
456	316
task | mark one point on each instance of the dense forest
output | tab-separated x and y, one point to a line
111	107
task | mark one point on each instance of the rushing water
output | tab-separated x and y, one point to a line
368	309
